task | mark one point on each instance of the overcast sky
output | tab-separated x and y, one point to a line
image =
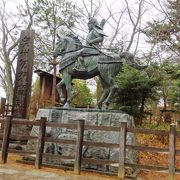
115	5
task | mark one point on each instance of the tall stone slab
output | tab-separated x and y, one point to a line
23	78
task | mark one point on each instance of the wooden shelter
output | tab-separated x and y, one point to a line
5	108
46	84
2	106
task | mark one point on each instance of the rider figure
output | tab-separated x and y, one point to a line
94	39
96	34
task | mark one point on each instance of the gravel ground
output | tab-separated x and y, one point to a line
10	172
17	171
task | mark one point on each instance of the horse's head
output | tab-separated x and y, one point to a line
64	45
60	48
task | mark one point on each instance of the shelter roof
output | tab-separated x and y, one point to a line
44	73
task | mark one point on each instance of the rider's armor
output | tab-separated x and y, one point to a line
94	41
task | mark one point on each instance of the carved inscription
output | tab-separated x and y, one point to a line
23	79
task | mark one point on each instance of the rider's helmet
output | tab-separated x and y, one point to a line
93	20
92	23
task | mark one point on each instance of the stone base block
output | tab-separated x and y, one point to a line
91	117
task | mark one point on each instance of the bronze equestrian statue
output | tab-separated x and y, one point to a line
85	62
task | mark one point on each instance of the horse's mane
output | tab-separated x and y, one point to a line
78	43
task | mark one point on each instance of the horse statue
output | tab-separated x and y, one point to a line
97	63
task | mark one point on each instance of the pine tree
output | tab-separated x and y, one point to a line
167	30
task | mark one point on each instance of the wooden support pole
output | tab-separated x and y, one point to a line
79	146
172	138
40	144
5	143
122	150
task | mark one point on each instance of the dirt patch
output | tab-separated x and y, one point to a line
15	171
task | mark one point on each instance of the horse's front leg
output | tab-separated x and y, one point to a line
68	83
59	89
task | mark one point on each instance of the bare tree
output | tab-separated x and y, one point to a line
49	18
8	52
135	21
117	21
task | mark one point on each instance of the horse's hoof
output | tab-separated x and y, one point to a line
62	100
66	105
105	106
97	107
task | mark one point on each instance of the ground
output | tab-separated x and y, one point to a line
13	170
16	171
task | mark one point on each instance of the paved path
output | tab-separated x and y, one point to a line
19	173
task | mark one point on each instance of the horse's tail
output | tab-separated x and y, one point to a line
129	57
130	60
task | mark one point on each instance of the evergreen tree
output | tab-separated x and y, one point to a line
169	89
135	88
81	94
166	31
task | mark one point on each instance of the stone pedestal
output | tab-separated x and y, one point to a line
91	117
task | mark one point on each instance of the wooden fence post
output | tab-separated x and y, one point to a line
122	150
40	144
6	135
79	146
172	146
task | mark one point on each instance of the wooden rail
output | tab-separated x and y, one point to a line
79	143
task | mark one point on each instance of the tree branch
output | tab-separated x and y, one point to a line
135	24
12	47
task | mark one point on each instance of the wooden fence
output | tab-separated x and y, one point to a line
79	143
